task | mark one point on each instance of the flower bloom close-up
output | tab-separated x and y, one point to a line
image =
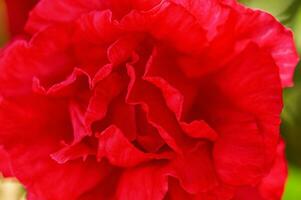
145	100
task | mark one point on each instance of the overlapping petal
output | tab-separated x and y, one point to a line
114	146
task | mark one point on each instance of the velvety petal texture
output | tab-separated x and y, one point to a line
154	100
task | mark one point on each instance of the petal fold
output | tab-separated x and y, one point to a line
119	151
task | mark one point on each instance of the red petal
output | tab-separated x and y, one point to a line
80	128
250	86
119	151
122	49
209	13
122	115
163	63
22	61
158	114
31	139
94	32
73	152
247	26
188	35
145	182
272	185
106	189
195	170
246	117
76	86
263	29
96	27
247	193
221	192
238	153
173	98
199	129
78	80
107	87
259	93
49	12
176	192
54	11
147	135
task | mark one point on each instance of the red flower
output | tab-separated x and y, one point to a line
174	99
17	11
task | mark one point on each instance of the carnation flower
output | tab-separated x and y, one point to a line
157	99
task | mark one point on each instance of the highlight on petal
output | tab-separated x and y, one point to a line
276	39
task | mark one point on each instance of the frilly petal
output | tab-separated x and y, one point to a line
32	163
188	35
107	86
158	113
276	39
21	61
79	79
49	12
114	146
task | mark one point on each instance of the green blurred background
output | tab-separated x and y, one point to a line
287	12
